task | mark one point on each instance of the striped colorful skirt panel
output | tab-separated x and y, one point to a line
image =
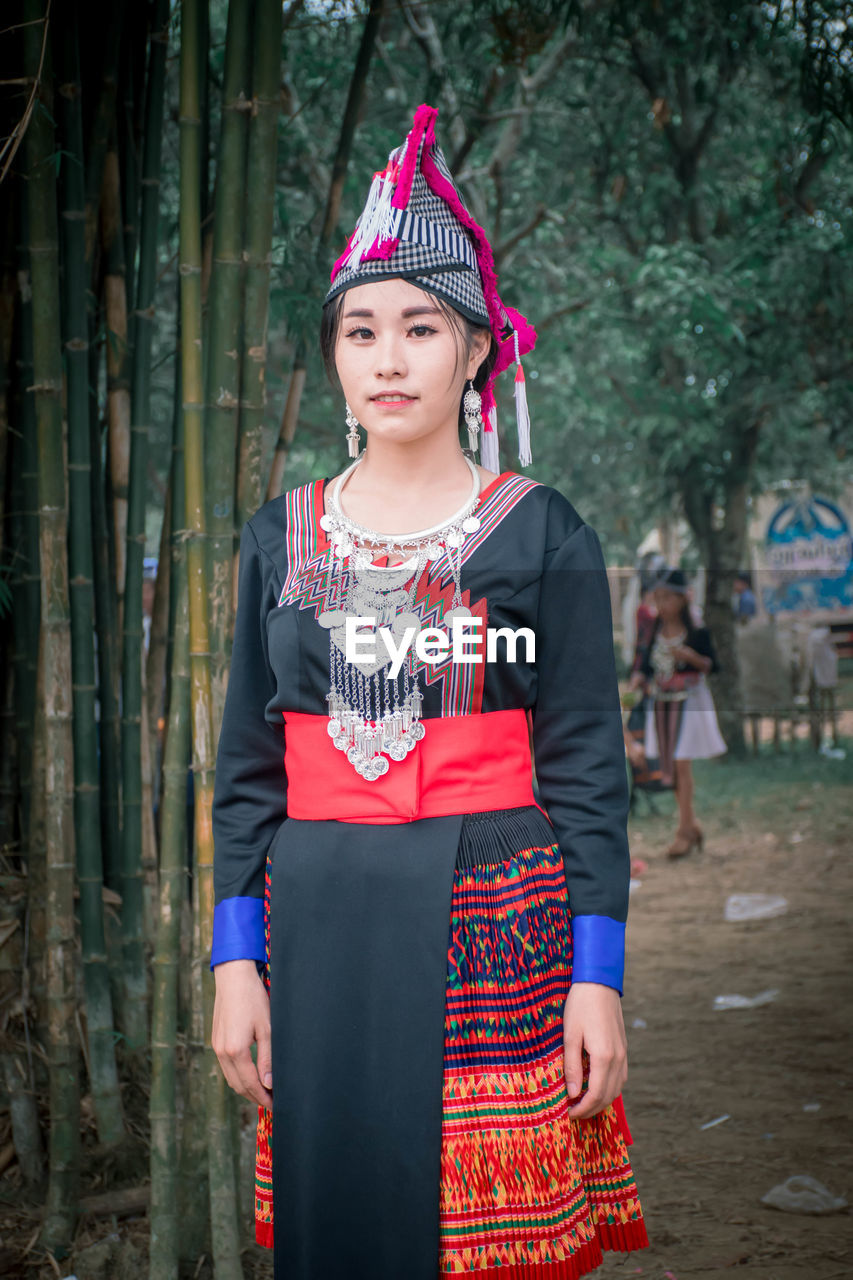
525	1190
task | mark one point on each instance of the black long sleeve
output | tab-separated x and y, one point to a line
579	747
250	794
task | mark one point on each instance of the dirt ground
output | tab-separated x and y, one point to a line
781	1074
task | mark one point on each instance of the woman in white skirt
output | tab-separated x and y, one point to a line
681	723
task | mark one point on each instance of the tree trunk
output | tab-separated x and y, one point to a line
61	1207
135	1020
722	553
260	181
221	1160
87	809
222	347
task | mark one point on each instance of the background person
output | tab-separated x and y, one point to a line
743	601
681	722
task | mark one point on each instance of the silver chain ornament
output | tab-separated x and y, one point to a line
373	717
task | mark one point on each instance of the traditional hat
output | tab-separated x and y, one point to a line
673	579
415	225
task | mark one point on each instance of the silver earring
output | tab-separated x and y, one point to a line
472	409
353	441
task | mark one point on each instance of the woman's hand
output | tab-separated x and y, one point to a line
636	681
592	1020
241	1017
683	653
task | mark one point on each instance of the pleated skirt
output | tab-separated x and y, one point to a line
697	736
523	1190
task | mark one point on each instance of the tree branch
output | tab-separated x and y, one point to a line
506	246
568	310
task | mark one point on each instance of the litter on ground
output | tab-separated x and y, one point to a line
803	1194
746	1002
754	906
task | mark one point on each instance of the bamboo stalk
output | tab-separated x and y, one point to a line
165	1220
28	575
106	625
193	1183
61	1206
222	344
7	323
134	1010
23	1116
158	644
260	181
8	752
35	961
289	420
135	45
118	359
102	123
87	809
221	1162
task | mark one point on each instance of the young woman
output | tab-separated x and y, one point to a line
430	964
681	722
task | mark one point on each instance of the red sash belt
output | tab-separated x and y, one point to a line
463	764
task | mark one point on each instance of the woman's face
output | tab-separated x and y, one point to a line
402	365
668	603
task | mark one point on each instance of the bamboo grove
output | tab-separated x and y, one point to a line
107	861
175	178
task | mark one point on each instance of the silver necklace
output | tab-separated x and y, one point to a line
662	660
373	717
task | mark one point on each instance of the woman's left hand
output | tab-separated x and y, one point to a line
592	1020
683	653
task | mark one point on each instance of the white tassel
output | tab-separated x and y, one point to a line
489	448
377	216
522	415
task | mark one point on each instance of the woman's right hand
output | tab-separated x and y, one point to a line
241	1017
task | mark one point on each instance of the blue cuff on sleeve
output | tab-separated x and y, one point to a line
598	944
238	930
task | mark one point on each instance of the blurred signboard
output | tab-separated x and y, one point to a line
808	558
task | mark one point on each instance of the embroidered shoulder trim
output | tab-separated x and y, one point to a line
306	544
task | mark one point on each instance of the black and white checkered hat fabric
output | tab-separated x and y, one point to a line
434	251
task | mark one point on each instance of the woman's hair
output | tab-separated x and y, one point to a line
466	330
